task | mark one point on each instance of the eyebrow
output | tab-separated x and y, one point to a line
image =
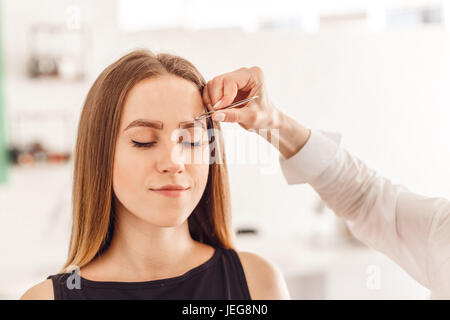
159	124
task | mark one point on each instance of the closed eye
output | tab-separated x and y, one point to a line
150	144
143	144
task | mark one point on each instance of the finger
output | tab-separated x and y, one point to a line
206	98
223	89
215	89
230	90
236	115
248	78
238	82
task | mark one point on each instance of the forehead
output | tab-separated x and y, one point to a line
168	98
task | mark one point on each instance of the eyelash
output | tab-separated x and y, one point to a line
151	144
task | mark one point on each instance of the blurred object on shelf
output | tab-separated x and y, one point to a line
42	66
415	16
41	136
246	231
57	51
36	153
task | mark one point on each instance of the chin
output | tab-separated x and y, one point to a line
169	220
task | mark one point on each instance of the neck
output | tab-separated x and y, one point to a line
146	251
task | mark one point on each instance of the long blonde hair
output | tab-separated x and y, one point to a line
92	197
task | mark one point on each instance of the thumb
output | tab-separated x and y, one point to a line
234	115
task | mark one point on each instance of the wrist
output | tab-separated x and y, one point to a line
291	135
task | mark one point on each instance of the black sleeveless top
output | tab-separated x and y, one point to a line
220	278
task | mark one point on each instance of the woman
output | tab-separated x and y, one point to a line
134	236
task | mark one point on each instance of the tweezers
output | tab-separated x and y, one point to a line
237	103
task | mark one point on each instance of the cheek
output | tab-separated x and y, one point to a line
128	173
200	176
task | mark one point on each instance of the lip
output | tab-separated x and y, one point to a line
171	187
171	191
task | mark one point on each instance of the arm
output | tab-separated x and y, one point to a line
412	230
265	281
41	291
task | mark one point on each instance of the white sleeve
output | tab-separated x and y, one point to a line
411	229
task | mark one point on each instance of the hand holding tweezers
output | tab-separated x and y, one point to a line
237	103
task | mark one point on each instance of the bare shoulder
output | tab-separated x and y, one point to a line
265	280
41	291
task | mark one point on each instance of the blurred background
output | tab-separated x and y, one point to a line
378	72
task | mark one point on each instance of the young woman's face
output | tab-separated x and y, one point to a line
169	152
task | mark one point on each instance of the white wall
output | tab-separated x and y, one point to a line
387	93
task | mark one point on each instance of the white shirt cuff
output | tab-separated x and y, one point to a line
315	156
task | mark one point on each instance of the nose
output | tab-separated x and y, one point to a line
170	160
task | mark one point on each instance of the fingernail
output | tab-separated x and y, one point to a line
217	104
219	116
